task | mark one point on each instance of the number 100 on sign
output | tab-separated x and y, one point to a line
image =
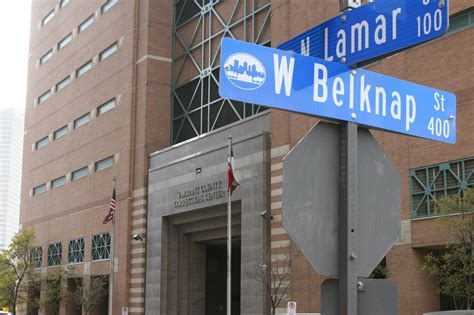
430	21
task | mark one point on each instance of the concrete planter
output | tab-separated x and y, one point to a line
451	313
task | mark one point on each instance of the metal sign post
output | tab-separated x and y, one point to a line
348	211
348	214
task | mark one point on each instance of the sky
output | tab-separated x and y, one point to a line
14	39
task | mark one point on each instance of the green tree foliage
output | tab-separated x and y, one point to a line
86	297
454	265
15	270
54	292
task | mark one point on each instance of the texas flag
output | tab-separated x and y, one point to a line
232	182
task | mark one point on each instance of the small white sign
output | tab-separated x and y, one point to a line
124	310
291	308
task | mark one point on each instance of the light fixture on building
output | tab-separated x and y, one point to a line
198	170
266	215
137	237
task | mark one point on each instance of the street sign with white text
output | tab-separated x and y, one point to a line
302	84
374	29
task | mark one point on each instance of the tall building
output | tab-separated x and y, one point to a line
11	144
129	90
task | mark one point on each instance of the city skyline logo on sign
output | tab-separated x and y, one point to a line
245	71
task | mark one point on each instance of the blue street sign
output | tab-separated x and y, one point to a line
297	83
374	29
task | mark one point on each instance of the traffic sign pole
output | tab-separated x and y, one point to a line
348	215
348	209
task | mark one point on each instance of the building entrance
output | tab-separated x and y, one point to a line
216	278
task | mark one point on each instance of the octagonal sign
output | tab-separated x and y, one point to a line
311	199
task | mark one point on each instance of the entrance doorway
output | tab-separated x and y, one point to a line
216	278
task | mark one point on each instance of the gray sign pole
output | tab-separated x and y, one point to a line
348	214
348	208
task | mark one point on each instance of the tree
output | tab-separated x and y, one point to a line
87	297
15	269
54	293
276	277
454	265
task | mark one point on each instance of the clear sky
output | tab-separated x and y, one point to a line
14	38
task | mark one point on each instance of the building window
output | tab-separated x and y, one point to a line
108	5
55	253
87	22
64	82
41	143
80	173
107	106
43	97
435	181
76	251
47	18
46	56
105	163
106	53
58	182
101	246
197	107
461	21
84	68
66	40
39	189
63	3
36	256
60	132
81	121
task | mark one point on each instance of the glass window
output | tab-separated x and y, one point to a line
106	53
197	108
41	143
105	163
60	133
431	182
107	106
43	97
80	173
39	189
48	17
63	3
84	68
55	253
64	82
46	56
66	40
107	5
36	256
58	182
81	121
76	251
87	22
101	246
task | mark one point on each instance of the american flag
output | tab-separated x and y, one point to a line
232	182
111	213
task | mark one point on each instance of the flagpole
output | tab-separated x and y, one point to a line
229	238
112	258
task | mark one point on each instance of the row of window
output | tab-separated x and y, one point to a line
106	53
73	176
78	122
52	13
69	37
62	3
100	251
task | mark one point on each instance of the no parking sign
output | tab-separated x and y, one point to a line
291	308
